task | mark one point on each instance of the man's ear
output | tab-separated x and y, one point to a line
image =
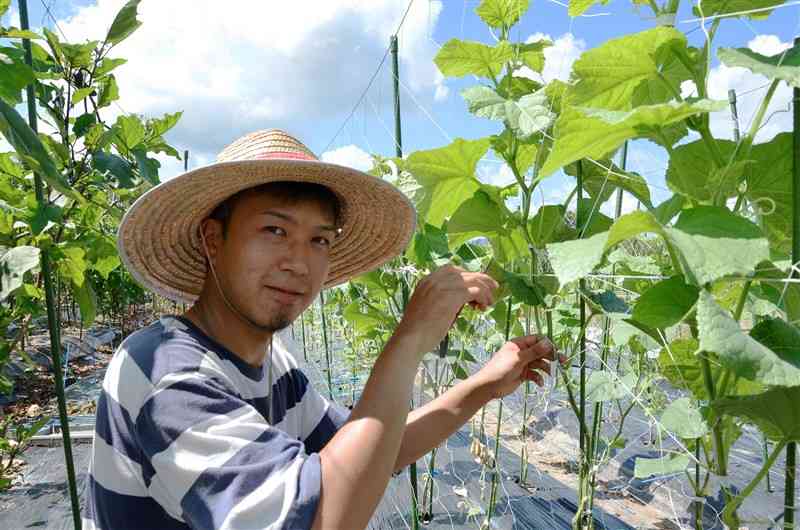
211	233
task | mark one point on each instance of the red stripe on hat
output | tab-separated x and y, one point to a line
282	154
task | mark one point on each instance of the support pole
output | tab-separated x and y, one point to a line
398	149
52	318
325	342
791	448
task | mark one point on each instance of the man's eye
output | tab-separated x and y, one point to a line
323	240
277	230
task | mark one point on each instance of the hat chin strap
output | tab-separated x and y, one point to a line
228	303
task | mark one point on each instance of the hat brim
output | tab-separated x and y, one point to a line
159	238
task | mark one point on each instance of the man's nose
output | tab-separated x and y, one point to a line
297	259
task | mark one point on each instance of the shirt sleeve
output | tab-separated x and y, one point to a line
331	418
214	462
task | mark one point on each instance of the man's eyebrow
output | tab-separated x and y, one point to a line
290	219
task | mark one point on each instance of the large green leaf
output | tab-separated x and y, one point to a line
477	214
528	115
784	66
28	146
769	186
683	418
593	133
499	13
579	7
4	5
72	264
124	23
609	74
714	243
13	266
666	303
130	130
109	92
459	57
119	168
666	465
532	54
739	352
692	173
775	412
572	260
732	7
447	175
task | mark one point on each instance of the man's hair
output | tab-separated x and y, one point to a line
289	191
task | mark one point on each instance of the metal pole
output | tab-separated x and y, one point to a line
325	341
52	318
186	160
791	447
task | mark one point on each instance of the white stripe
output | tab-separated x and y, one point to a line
126	383
210	443
268	504
88	524
115	471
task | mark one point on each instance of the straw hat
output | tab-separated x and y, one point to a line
159	240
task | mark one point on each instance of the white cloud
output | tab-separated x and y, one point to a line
251	65
350	156
495	173
629	204
11	18
750	89
558	58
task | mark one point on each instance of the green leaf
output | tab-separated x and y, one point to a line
691	172
666	303
780	337
713	243
683	418
579	7
87	302
130	131
770	188
525	290
784	66
532	54
572	260
4	5
737	351
668	209
593	133
160	126
13	266
43	217
609	75
80	94
83	123
549	226
603	178
116	166
27	145
528	115
148	167
499	13
459	58
79	55
107	65
666	465
73	265
14	76
607	386
447	175
124	23
731	7
477	214
109	92
775	412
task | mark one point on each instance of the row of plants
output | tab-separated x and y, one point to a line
697	293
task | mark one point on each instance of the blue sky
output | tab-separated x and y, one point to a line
302	65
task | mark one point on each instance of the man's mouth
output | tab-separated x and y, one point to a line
283	290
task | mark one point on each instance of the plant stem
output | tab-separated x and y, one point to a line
52	318
729	513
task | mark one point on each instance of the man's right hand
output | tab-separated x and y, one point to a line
437	300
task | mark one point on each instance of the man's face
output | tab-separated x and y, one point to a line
274	258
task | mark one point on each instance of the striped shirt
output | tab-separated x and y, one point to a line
189	436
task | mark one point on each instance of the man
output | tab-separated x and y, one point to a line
205	420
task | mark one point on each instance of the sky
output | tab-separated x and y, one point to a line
303	65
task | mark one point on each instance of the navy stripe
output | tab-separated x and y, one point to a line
217	490
309	485
287	392
331	422
170	412
115	427
111	510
